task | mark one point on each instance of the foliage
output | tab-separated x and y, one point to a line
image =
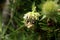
36	13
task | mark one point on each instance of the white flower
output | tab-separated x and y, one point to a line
30	17
33	15
27	15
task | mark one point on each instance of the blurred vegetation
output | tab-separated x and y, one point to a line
12	26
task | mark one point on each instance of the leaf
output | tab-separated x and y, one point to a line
43	17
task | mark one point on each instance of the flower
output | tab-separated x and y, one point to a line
30	18
32	15
50	9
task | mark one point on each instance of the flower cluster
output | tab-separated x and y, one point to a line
50	9
30	18
33	15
